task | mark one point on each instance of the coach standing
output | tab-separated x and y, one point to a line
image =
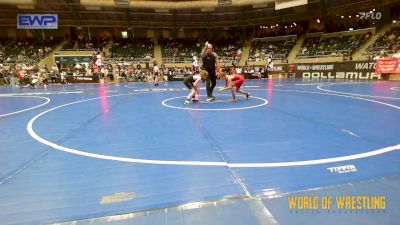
210	63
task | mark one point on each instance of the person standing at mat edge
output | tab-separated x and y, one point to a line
210	64
156	73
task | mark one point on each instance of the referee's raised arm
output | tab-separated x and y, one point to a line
203	52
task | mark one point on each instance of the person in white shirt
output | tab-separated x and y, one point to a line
104	72
156	72
98	67
382	55
269	67
54	74
64	77
195	65
88	72
397	55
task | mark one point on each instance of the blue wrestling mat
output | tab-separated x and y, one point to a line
135	154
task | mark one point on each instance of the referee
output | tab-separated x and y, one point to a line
210	64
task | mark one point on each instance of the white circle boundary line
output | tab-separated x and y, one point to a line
349	93
24	110
205	163
395	88
226	109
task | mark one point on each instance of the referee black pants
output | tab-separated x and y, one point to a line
210	83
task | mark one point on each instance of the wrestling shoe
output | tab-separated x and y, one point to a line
211	99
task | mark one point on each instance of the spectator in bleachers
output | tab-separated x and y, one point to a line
133	51
179	50
388	42
397	54
263	50
382	55
331	46
30	50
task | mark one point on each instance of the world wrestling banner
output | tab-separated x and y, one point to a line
354	70
363	70
387	66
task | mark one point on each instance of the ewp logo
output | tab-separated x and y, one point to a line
37	21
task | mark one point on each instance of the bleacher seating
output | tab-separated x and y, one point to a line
261	50
94	44
389	42
28	51
228	50
321	47
180	50
136	51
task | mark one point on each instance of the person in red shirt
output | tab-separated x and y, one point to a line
231	81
